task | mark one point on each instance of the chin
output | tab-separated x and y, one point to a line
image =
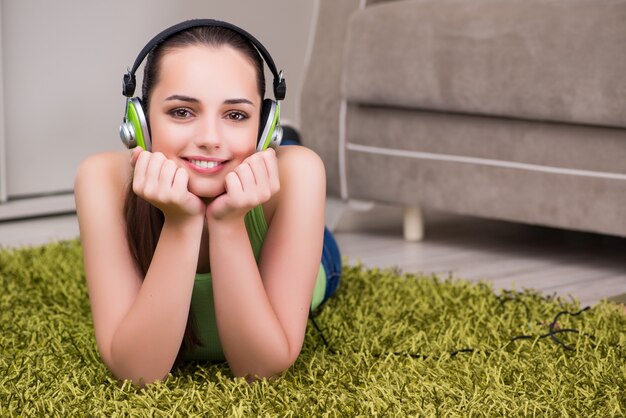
206	192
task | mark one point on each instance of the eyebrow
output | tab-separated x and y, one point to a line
238	101
194	100
183	98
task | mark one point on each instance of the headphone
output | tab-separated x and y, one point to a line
134	130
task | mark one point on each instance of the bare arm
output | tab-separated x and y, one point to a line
138	324
262	311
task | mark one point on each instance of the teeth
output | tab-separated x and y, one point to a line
204	164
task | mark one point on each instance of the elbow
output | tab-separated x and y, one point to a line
140	373
260	373
142	383
272	366
138	378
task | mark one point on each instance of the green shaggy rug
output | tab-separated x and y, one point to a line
390	345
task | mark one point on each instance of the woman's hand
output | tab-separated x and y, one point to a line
162	183
250	184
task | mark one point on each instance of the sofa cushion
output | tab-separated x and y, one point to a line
534	172
553	60
523	145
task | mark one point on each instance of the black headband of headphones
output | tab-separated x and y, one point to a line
129	83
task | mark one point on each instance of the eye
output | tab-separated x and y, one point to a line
180	113
236	115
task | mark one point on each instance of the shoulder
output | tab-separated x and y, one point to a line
103	168
302	182
105	163
299	163
103	175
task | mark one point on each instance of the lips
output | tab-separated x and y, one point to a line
205	165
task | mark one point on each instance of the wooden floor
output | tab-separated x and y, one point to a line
512	256
589	267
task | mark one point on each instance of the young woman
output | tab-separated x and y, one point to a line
200	248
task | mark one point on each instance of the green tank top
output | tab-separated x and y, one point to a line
203	308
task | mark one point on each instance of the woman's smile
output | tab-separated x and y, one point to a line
205	165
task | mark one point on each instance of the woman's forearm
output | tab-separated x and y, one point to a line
251	334
146	343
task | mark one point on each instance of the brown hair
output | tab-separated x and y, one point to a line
144	221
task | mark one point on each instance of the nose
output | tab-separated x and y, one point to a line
208	133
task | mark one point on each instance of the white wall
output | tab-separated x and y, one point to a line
3	176
63	66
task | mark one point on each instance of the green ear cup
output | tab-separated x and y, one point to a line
136	117
271	133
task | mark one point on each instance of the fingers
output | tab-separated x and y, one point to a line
155	177
264	166
179	183
271	165
134	154
250	184
256	180
161	182
139	175
159	174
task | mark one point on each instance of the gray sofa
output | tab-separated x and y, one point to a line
504	109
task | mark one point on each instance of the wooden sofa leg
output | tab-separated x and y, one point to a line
413	224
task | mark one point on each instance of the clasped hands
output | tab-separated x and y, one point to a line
162	183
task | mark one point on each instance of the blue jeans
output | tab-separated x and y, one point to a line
331	260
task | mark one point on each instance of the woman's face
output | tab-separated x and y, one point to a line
204	113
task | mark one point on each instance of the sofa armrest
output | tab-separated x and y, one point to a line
320	98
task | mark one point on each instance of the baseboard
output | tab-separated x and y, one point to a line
355	215
33	207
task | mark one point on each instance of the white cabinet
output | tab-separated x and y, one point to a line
61	69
